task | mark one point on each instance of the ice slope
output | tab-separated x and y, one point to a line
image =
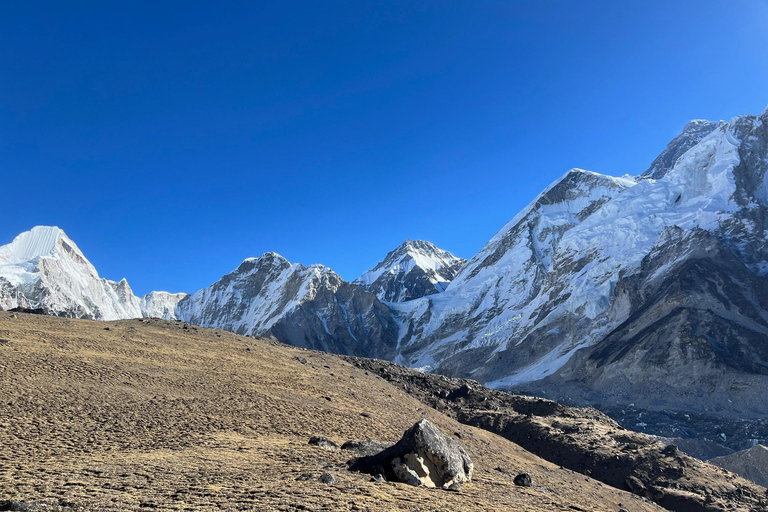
414	269
43	268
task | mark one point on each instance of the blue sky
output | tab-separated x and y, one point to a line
171	140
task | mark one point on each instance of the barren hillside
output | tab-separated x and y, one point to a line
148	414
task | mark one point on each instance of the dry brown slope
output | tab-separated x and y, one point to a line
137	415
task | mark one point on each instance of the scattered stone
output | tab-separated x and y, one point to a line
20	506
304	477
636	486
524	480
366	415
301	359
505	471
107	329
423	457
460	392
324	443
4	342
327	478
455	487
378	478
365	448
670	450
623	510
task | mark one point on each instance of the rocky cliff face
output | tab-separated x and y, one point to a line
414	269
309	307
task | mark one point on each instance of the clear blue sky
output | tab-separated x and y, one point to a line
171	140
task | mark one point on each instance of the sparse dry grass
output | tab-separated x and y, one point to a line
159	415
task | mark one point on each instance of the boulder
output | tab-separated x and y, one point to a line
324	443
423	457
524	480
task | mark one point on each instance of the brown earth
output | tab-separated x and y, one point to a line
153	415
581	439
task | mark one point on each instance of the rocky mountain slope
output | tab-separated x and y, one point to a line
149	414
414	269
751	463
310	307
581	439
599	292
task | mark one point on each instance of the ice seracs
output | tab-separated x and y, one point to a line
414	269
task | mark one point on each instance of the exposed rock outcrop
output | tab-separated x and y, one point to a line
423	457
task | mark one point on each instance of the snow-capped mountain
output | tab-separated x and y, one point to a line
598	274
43	268
414	269
309	307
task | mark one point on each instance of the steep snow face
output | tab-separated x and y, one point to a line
43	268
499	292
160	305
414	269
309	307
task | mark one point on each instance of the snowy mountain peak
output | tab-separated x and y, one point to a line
37	242
693	133
414	269
48	242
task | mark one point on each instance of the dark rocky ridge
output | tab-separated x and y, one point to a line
583	440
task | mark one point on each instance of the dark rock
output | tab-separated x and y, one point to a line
504	471
20	506
327	478
670	450
366	415
301	359
378	478
365	448
4	342
324	443
461	392
423	457
30	311
304	477
524	480
635	485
